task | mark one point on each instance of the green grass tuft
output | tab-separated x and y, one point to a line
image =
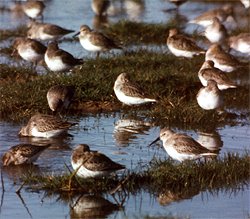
159	177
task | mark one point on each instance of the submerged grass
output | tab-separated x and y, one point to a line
160	178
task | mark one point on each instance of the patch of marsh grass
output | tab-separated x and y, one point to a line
127	32
172	81
18	32
161	175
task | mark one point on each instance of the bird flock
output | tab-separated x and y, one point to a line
41	44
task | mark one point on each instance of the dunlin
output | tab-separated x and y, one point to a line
216	31
59	60
100	7
30	50
210	97
206	18
181	45
95	41
45	31
240	43
59	97
33	9
89	163
246	3
182	147
128	92
22	154
47	126
209	72
222	60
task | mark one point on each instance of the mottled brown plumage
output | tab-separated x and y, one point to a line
216	32
59	97
209	72
58	59
95	41
210	97
33	9
221	58
128	92
182	147
22	154
46	31
181	45
206	18
29	49
92	163
41	125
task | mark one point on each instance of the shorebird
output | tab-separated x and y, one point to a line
46	126
128	92
59	97
22	154
89	163
181	45
46	31
216	31
209	72
222	60
206	18
182	147
246	3
59	60
100	7
30	50
240	43
95	41
210	97
33	9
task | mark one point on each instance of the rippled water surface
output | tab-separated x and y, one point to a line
123	139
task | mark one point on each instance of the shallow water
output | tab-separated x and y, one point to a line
124	140
110	134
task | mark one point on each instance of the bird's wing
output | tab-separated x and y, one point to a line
186	144
100	162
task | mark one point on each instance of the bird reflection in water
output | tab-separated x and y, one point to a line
210	139
169	196
126	129
16	172
92	206
134	9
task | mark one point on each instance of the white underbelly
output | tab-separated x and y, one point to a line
86	44
209	101
30	55
56	64
47	134
181	53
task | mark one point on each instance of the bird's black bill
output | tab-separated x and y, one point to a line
157	139
76	34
